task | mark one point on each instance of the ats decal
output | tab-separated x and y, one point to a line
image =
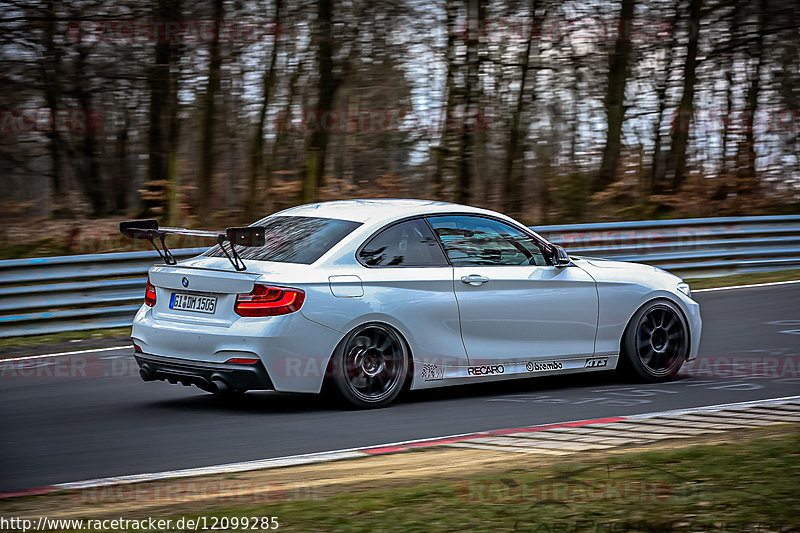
484	370
596	362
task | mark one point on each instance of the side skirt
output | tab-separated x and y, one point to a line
431	374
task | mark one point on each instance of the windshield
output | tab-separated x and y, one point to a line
294	239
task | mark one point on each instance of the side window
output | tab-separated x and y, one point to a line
471	240
409	243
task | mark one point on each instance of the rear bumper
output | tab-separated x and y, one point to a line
293	350
211	377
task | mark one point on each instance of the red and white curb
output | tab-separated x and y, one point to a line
641	429
548	439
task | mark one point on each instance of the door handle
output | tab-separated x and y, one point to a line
474	280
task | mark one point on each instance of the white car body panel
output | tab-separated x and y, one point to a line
525	313
623	288
531	320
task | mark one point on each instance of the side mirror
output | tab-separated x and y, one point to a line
560	257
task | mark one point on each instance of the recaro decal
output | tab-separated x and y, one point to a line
485	369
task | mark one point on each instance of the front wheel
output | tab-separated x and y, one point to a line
656	342
370	366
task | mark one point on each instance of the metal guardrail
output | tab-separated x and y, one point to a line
696	247
96	291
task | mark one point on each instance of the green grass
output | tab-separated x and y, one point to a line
53	338
743	279
45	247
721	487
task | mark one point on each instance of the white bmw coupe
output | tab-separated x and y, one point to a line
368	297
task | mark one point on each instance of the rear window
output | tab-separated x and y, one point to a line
294	239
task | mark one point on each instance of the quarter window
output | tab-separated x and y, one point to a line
470	240
408	243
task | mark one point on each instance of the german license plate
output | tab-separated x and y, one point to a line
193	302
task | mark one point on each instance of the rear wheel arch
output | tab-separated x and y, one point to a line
332	371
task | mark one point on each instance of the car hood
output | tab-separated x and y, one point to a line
622	271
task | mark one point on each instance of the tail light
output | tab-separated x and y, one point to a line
150	293
242	361
264	300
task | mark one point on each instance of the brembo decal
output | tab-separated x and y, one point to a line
536	366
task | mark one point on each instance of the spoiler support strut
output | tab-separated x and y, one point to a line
234	258
250	236
165	254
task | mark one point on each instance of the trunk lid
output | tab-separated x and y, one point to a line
201	293
198	279
211	283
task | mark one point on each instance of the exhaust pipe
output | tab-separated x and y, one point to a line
220	384
146	373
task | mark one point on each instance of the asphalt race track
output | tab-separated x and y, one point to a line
66	426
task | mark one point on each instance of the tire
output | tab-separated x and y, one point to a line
370	366
655	343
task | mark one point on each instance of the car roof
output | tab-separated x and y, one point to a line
375	210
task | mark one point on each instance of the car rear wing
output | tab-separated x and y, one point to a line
150	231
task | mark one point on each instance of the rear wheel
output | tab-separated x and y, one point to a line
656	342
370	366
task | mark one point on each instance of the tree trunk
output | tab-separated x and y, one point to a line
618	70
122	175
658	168
89	175
159	144
676	160
281	134
173	139
254	192
316	149
746	182
443	152
463	185
50	70
512	188
207	152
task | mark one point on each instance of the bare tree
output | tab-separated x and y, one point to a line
676	160
618	71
